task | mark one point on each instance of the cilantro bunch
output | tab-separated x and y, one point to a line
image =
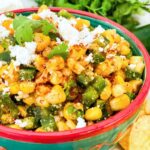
120	11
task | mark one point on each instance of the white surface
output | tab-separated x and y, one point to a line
7	5
29	3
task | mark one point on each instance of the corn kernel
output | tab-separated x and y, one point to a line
14	88
29	100
70	124
62	126
93	113
106	93
80	23
1	48
56	96
22	111
118	90
120	102
42	102
27	87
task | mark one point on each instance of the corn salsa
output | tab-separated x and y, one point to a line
58	73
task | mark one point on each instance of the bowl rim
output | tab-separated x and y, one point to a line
98	128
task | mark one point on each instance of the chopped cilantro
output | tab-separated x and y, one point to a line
24	28
61	50
5	56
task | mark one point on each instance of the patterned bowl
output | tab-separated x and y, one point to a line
98	136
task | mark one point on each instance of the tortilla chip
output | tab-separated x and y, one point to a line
147	107
140	134
124	142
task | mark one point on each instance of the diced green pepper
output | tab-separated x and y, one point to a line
80	113
42	118
7	42
89	96
5	56
10	14
53	109
48	123
129	55
27	73
64	13
38	113
100	104
98	57
99	83
131	74
83	80
71	109
30	123
71	90
7	106
131	95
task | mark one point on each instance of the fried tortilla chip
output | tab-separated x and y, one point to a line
124	142
140	134
147	107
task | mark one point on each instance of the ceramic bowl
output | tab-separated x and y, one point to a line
98	136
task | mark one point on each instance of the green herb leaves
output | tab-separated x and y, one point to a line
61	50
5	56
24	28
120	11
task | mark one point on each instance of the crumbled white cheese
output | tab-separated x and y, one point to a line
73	36
98	30
106	48
132	66
114	46
3	32
101	40
48	14
85	37
11	26
45	14
110	56
89	58
122	56
57	118
73	21
58	40
6	90
2	63
101	49
30	17
20	123
3	18
5	72
80	123
24	55
21	95
67	31
6	83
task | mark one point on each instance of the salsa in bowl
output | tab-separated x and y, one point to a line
59	73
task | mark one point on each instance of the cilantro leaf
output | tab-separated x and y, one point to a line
20	20
44	25
5	56
61	50
24	34
47	27
24	28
